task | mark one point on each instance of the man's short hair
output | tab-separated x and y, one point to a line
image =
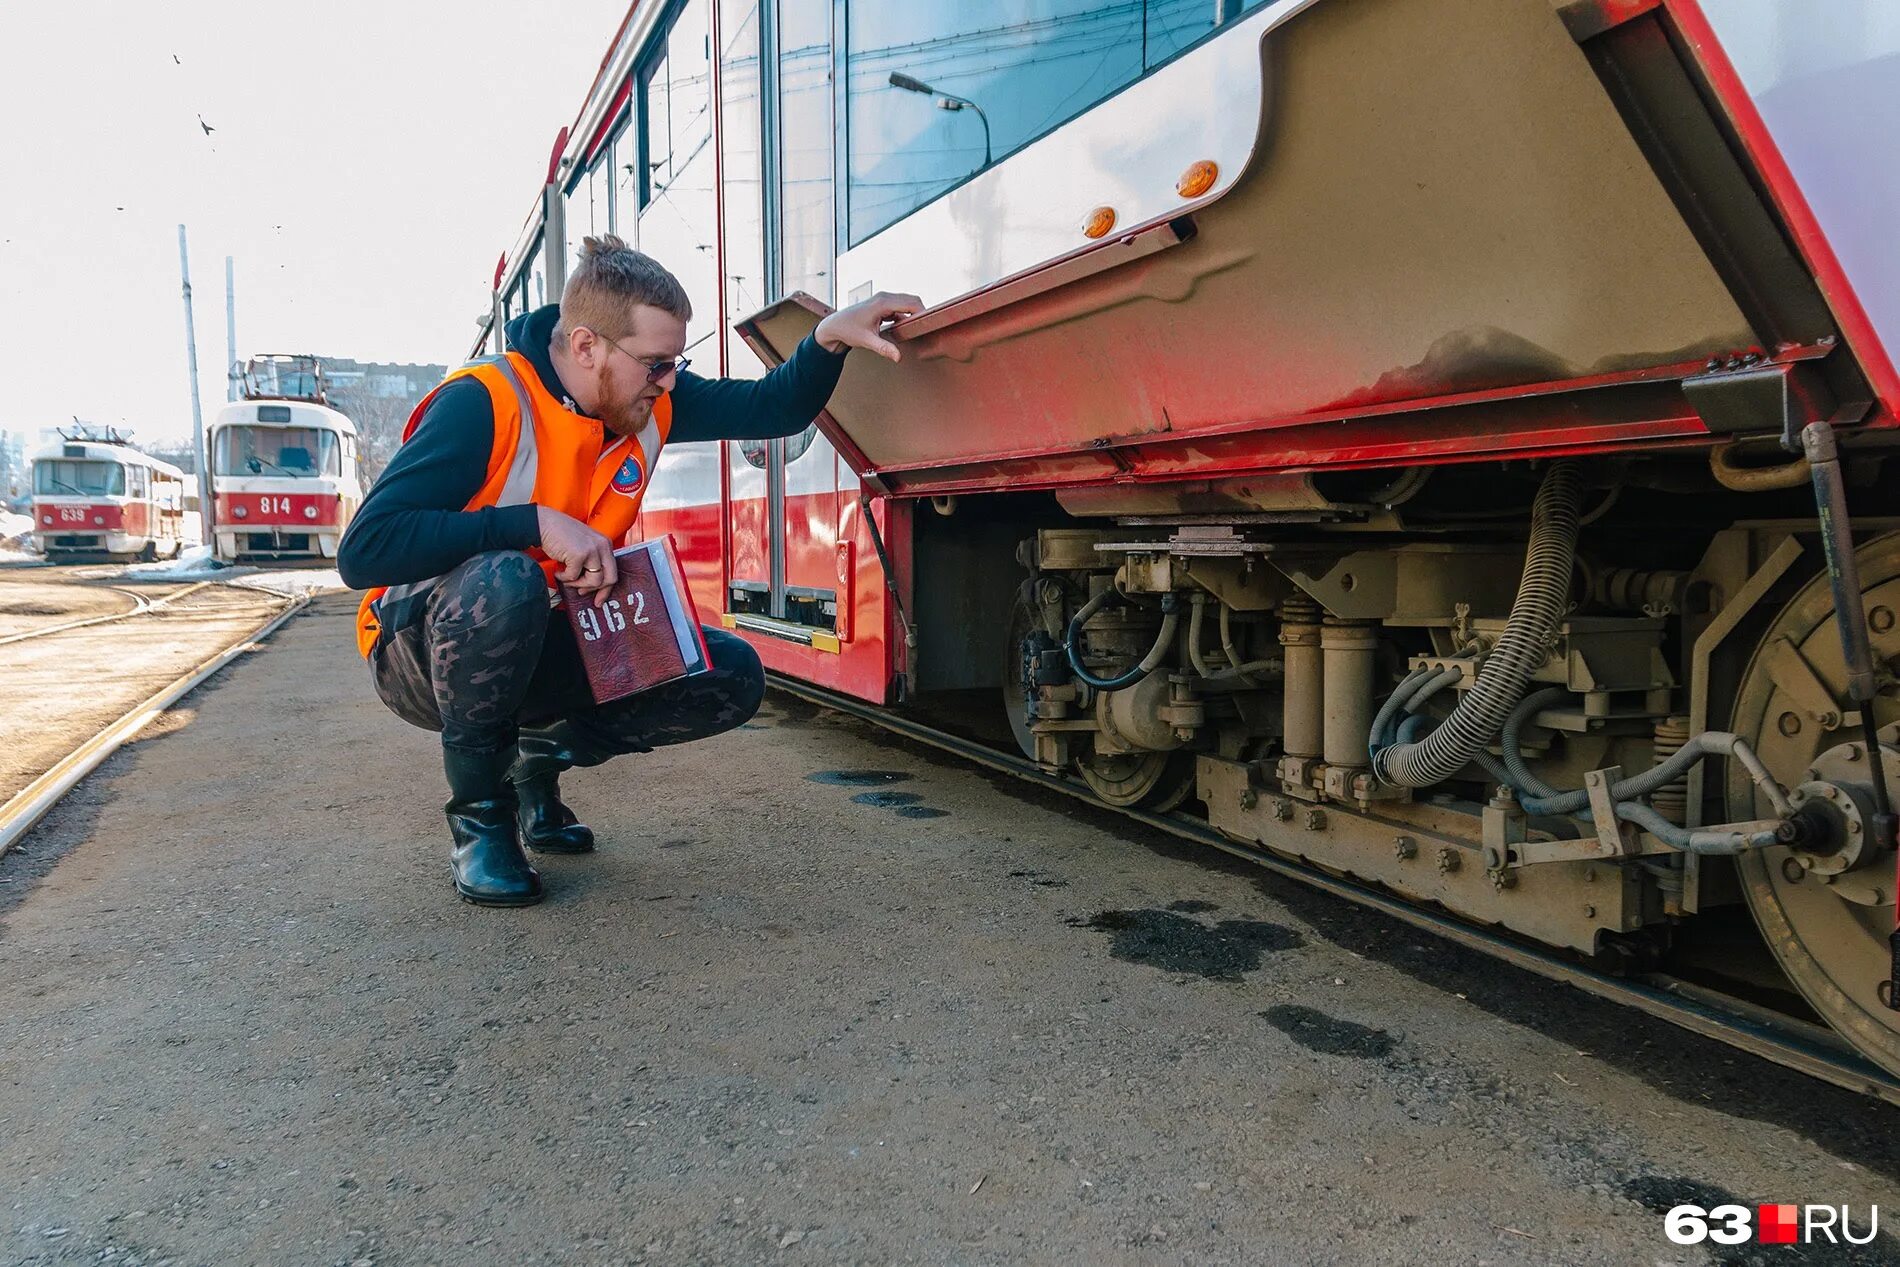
609	280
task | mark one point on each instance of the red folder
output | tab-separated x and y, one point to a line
647	631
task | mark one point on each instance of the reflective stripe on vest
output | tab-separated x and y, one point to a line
398	603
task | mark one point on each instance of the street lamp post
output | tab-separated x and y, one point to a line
946	101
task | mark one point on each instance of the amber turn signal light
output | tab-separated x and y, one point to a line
1098	222
1197	179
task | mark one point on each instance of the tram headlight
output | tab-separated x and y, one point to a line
309	512
240	512
46	519
99	521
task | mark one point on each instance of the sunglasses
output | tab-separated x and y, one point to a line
656	370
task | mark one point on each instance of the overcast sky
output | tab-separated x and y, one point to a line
370	162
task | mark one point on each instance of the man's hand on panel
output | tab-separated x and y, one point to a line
862	324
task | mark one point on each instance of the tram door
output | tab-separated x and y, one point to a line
783	496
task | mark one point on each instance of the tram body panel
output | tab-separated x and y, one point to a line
854	657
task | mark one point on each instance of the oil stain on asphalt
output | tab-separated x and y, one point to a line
902	804
1316	1031
1175	943
886	800
858	778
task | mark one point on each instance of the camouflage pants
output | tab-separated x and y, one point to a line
488	656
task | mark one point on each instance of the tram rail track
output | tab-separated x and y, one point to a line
22	811
141	605
1788	1041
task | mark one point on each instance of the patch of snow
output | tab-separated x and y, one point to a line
16	538
194	563
294	584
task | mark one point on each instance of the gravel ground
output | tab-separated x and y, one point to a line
819	998
62	688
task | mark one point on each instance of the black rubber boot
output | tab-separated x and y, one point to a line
487	862
548	826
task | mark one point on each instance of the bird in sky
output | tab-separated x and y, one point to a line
175	60
206	126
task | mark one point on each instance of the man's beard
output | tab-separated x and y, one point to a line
628	421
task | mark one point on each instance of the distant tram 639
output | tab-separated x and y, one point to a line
97	497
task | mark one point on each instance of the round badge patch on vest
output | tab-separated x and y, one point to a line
630	476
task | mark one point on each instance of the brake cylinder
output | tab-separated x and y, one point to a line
1304	721
1348	648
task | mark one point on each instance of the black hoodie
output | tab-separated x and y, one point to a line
413	526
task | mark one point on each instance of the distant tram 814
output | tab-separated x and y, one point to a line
284	465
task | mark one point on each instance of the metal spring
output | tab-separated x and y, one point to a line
1671	800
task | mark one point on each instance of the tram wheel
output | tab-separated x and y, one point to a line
1022	623
150	553
1159	781
1825	919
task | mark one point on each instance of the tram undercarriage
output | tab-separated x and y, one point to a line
1677	739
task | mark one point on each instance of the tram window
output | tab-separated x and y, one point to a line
656	129
678	216
534	284
79	479
137	486
1030	65
742	164
805	146
689	85
591	192
675	91
294	452
586	213
623	154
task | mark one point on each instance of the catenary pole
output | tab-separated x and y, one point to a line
230	332
205	517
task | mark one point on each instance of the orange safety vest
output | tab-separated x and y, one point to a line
543	453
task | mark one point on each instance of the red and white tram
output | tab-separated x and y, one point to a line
285	480
1264	335
101	498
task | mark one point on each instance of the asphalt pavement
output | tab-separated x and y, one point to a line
820	997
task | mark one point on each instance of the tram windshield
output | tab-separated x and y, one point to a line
285	452
78	478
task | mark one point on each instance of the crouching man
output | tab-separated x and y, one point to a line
527	468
